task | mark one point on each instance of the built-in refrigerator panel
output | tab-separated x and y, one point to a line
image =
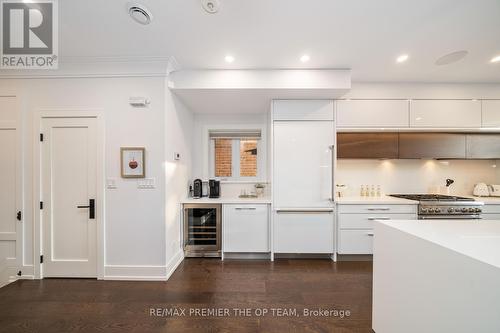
303	164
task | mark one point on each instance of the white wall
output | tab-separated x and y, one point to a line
179	138
135	219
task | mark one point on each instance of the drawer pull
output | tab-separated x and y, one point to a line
304	211
245	208
379	208
378	218
369	234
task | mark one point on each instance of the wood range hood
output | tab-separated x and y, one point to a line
418	145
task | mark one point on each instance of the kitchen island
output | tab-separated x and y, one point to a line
436	276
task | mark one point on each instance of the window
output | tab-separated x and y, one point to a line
235	155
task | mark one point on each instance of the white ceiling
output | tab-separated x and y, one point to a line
364	35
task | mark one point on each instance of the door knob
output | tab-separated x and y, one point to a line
91	208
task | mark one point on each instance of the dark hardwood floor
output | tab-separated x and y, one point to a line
80	305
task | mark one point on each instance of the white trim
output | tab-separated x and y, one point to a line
174	263
135	273
38	117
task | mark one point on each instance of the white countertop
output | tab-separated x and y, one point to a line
232	200
479	240
488	200
383	200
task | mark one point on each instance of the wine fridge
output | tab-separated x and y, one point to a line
202	230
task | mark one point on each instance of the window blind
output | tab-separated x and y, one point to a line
235	134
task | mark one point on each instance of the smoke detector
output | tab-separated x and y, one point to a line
140	13
210	6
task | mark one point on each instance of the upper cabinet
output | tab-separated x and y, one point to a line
303	110
445	113
367	145
491	113
369	113
432	145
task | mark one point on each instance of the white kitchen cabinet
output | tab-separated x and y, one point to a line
355	242
355	224
372	113
445	113
303	164
246	228
303	232
303	110
491	113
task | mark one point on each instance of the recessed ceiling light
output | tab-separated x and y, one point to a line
495	59
305	58
451	58
140	13
229	58
402	58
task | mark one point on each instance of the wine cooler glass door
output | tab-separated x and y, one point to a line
202	228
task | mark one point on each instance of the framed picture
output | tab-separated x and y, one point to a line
133	162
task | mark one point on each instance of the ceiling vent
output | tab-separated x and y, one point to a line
452	58
140	13
210	6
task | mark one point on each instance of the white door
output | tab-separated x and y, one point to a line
69	178
303	164
10	226
10	191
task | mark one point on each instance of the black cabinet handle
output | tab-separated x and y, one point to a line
91	208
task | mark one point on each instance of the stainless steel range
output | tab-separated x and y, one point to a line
436	206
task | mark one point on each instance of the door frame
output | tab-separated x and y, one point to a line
39	116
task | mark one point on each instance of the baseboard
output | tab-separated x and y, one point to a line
27	272
135	273
174	263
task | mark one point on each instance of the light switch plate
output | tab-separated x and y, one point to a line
146	183
111	183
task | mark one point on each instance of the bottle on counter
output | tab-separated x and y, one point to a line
372	191
379	191
362	191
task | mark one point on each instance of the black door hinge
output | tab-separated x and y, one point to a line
41	137
19	216
19	273
41	204
41	259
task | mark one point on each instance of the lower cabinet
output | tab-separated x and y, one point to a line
355	225
303	231
491	212
246	228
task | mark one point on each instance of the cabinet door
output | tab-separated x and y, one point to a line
355	242
303	110
491	113
302	164
432	145
367	145
445	113
365	221
303	232
483	146
246	228
372	113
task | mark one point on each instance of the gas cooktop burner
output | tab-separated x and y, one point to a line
438	206
431	197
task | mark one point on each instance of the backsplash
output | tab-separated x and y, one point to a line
415	176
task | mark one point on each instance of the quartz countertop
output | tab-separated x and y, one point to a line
478	239
488	200
382	200
229	200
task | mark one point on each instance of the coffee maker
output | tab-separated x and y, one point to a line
197	189
213	188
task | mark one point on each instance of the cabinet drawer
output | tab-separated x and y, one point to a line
378	209
355	242
303	232
365	221
246	228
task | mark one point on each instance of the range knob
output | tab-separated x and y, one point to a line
424	210
471	210
464	210
478	210
451	210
